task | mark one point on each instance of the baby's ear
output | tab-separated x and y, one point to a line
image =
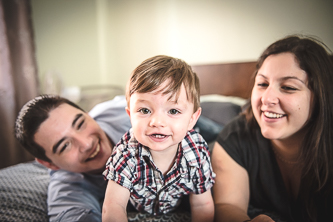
49	165
194	118
128	111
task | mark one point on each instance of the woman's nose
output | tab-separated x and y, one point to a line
270	96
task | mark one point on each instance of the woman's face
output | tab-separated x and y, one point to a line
281	99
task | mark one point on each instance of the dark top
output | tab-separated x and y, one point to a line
253	152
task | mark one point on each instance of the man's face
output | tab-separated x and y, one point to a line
73	141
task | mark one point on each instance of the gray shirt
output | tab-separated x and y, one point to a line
77	196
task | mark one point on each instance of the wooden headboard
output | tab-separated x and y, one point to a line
229	79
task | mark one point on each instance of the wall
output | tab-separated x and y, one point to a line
102	41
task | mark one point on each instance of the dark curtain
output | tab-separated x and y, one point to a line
18	75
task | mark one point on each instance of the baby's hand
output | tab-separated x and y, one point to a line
262	218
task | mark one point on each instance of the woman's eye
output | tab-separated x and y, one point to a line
173	111
262	84
144	111
288	88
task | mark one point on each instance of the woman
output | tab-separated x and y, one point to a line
275	161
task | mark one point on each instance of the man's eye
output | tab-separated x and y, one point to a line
173	111
80	124
64	147
144	111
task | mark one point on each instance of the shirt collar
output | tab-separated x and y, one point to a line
186	149
190	151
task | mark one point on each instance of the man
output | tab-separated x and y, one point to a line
75	146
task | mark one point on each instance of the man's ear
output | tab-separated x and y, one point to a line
128	111
49	165
194	118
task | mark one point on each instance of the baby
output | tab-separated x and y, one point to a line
161	158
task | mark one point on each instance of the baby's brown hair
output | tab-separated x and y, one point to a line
151	73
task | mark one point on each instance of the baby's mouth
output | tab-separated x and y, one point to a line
273	115
158	136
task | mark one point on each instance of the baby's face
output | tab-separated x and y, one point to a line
160	123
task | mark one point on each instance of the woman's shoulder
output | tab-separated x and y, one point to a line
238	136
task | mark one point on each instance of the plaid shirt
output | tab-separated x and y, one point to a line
131	166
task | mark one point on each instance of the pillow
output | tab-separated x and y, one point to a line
221	109
23	192
220	98
220	112
214	116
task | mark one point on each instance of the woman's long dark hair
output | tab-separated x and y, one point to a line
316	154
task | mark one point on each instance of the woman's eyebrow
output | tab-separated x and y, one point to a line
293	77
261	75
283	78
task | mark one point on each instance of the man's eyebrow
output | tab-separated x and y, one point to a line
55	147
76	118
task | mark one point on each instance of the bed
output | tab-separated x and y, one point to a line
224	90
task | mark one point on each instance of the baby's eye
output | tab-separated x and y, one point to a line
173	111
144	111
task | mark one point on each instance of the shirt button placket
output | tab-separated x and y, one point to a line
159	184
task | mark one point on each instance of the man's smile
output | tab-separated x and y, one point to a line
98	148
